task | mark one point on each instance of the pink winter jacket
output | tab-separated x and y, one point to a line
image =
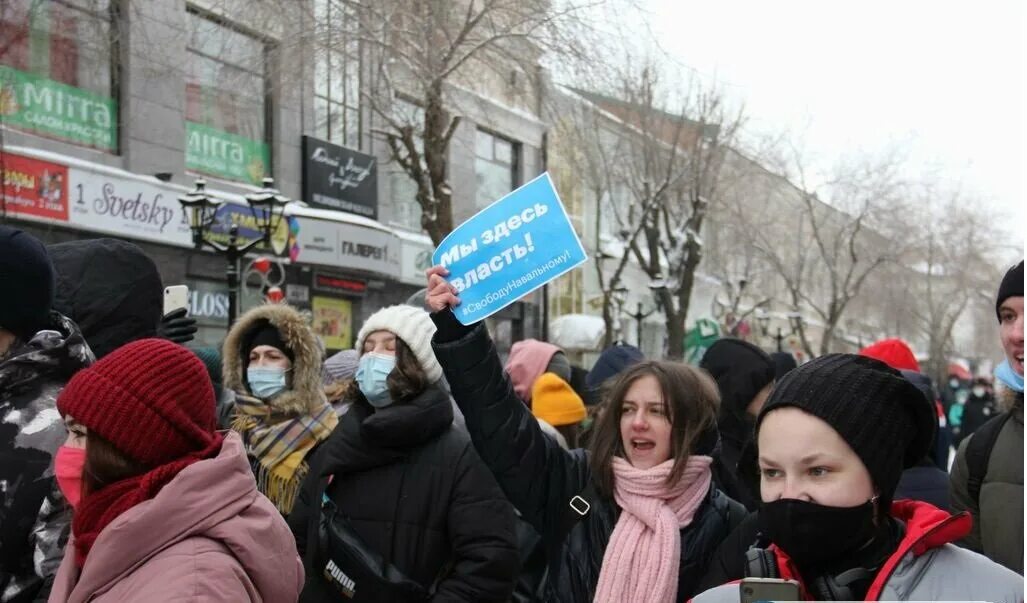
207	536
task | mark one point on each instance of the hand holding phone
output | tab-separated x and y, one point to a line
176	325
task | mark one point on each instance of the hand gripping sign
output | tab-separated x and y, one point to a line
509	249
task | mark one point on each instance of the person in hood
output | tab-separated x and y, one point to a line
40	349
745	375
987	476
409	484
113	292
634	519
165	507
529	359
977	409
272	362
832	441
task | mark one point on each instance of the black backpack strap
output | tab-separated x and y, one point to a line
978	454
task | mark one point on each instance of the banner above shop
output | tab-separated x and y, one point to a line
56	110
338	178
225	155
345	245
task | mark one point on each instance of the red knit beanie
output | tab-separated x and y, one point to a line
893	352
151	399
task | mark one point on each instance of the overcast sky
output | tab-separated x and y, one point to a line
944	79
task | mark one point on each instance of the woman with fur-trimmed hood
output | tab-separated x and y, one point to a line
272	361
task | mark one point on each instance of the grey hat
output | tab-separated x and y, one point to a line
340	366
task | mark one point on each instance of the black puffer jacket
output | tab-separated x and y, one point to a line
540	478
415	491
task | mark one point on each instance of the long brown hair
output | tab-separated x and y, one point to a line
692	400
405	382
106	465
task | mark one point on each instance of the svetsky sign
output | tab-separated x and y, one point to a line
53	109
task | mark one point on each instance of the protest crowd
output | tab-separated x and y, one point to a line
417	466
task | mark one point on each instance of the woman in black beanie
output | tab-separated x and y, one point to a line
832	441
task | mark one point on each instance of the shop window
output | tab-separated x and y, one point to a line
56	70
226	102
337	74
495	166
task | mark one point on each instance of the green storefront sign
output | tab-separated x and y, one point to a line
699	339
218	153
50	108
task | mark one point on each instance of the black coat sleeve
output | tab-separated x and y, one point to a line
481	533
536	474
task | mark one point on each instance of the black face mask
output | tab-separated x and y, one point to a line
816	535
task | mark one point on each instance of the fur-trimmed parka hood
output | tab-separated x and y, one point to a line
305	395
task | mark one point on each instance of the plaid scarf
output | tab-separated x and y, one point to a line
278	444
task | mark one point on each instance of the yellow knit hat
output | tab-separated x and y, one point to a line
553	401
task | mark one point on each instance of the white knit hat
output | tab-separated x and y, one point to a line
413	326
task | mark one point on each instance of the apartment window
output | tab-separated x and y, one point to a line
56	70
337	74
496	167
226	102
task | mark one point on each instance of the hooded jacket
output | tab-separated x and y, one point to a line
924	567
528	360
110	288
207	536
998	513
305	395
415	491
741	371
34	518
540	478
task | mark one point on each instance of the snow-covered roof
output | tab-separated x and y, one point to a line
577	332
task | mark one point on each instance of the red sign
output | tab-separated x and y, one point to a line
31	187
332	283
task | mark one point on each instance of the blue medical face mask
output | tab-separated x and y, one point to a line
266	382
1009	377
372	371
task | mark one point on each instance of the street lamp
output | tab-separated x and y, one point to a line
268	209
639	316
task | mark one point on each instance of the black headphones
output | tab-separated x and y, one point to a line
761	563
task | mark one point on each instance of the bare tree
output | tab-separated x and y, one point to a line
950	268
416	53
673	139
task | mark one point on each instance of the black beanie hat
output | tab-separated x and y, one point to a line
264	333
783	362
1012	286
884	418
28	282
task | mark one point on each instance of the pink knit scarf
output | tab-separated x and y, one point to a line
644	553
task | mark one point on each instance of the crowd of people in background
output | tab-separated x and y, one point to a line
135	466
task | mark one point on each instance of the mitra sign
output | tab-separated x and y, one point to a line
225	155
338	178
49	108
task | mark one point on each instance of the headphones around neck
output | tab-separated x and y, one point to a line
762	563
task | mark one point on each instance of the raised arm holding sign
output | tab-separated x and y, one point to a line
508	250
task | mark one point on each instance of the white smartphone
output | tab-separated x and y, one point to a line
752	590
175	298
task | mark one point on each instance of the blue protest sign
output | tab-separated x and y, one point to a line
509	249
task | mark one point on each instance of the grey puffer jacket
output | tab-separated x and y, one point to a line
924	567
540	478
34	517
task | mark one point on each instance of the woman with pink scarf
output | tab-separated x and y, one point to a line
635	517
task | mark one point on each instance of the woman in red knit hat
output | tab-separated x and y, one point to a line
165	507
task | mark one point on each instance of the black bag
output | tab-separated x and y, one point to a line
978	454
354	569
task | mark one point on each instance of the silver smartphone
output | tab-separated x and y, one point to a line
754	590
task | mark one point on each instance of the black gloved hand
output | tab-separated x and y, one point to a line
176	326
